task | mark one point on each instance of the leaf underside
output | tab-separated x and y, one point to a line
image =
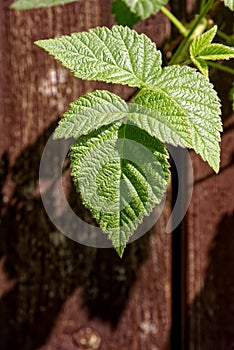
31	4
120	172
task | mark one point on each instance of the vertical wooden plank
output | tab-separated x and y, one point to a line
67	294
210	229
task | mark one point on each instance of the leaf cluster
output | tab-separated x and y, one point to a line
120	165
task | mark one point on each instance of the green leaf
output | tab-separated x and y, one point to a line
230	4
160	117
32	4
187	101
202	50
123	15
119	55
202	41
90	112
142	8
202	66
121	173
216	52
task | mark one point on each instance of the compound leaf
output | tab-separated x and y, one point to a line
90	112
202	41
202	50
118	55
32	4
187	101
121	172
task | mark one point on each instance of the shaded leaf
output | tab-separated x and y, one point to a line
143	8
123	15
121	173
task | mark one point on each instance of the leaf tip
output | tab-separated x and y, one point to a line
120	250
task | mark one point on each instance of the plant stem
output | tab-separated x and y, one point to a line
223	35
221	67
175	21
203	2
179	52
186	63
228	38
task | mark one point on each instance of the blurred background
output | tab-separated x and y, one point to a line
170	291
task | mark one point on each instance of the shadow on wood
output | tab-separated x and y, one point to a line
211	315
47	266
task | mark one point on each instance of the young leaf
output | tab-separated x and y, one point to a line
202	66
230	4
202	41
216	52
118	55
32	4
141	8
121	172
90	112
202	50
187	101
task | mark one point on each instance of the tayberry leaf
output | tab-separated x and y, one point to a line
90	112
160	117
230	4
187	102
118	55
121	172
202	50
202	41
202	65
31	4
140	8
216	52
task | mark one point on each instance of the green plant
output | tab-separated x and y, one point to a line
175	104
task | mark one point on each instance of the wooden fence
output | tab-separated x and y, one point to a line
170	290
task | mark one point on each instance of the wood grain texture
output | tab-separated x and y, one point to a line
64	289
209	235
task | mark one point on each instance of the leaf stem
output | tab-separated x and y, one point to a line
228	38
180	51
221	67
186	63
184	31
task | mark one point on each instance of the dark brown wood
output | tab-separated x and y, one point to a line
210	229
66	296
